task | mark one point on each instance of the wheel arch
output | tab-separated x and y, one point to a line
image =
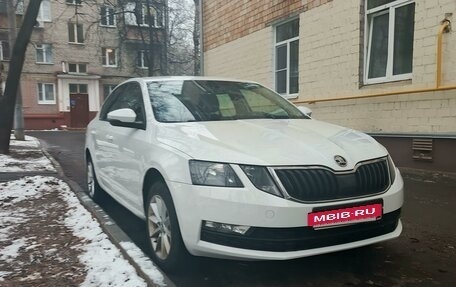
87	154
152	175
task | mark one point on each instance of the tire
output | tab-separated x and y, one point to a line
94	190
164	238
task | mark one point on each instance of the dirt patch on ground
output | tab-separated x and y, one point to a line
26	154
48	253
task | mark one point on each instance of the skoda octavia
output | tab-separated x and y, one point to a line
230	169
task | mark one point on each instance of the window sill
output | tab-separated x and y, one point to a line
106	66
290	96
44	63
391	83
397	78
76	43
108	26
46	103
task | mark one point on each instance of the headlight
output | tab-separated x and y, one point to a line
392	169
213	174
261	178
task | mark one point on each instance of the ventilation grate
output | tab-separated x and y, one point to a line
422	149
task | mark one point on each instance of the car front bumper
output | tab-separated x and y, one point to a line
279	228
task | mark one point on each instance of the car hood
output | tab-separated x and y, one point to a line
270	142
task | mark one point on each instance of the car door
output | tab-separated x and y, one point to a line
104	148
128	147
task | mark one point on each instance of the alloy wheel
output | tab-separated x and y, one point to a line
90	180
159	227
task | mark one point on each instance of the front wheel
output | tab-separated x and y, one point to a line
93	188
164	237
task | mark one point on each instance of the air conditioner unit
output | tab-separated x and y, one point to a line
39	24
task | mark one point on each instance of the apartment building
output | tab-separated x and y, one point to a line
79	51
385	67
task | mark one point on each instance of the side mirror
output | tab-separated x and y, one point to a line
305	110
122	115
124	118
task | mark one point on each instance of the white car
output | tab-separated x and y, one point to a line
230	169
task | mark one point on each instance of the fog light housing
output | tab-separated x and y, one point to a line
225	228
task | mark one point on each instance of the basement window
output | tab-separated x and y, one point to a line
389	45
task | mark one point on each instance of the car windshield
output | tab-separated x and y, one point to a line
199	100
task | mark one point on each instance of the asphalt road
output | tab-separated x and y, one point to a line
424	255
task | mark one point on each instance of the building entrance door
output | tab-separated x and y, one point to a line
79	110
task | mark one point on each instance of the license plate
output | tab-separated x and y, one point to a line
347	215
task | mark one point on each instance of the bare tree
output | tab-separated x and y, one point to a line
8	100
196	39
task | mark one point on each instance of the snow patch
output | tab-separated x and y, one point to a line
25	156
105	264
144	262
10	252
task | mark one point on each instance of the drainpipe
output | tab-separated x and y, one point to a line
444	28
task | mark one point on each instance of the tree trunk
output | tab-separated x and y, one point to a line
196	40
8	100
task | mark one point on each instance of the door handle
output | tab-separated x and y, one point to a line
109	138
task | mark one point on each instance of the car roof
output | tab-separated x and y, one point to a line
188	78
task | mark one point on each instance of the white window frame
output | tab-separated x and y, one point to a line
287	42
109	10
74	2
106	64
2	57
42	15
42	48
20	7
75	31
141	56
44	101
78	68
369	15
130	16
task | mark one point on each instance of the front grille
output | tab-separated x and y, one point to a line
320	184
303	238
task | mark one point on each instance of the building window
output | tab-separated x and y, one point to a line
78	88
141	16
107	16
389	46
20	7
107	89
75	33
109	57
287	58
44	54
44	14
4	51
142	60
74	2
77	68
46	93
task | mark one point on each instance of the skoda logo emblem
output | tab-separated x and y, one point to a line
342	162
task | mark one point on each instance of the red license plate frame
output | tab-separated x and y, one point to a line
346	215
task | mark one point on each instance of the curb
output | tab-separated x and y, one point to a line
115	234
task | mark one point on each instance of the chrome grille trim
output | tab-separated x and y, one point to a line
360	180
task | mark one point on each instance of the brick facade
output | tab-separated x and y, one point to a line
331	44
55	32
225	21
